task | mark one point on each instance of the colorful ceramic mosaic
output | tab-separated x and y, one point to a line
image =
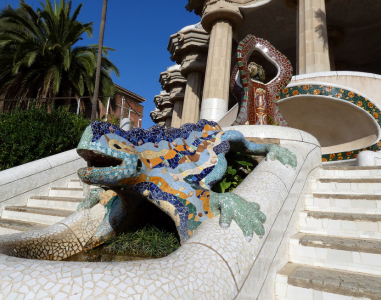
174	168
341	94
258	100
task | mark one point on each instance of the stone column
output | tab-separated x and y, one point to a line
167	116
216	86
168	123
177	113
220	18
193	68
191	109
313	53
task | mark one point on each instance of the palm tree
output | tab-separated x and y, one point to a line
98	73
38	56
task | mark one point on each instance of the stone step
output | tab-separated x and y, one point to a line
65	192
63	203
35	214
352	168
350	172
346	203
298	282
347	185
76	183
341	224
334	252
13	226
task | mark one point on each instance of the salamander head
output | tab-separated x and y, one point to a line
109	154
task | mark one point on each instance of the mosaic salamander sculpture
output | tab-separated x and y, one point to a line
174	168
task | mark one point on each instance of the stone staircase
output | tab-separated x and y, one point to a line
337	254
42	211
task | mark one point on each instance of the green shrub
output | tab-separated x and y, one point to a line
33	134
149	241
239	166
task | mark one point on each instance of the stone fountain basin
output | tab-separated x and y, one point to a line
214	264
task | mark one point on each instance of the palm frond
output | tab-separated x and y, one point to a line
39	55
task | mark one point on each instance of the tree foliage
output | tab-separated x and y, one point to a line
38	56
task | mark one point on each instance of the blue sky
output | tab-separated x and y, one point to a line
139	32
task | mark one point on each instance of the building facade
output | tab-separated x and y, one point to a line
127	105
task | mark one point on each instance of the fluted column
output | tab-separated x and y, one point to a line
313	53
191	109
216	87
193	68
177	113
168	123
220	18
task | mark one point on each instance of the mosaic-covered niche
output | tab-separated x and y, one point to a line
257	100
344	95
174	168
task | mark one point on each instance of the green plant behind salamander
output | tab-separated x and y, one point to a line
239	166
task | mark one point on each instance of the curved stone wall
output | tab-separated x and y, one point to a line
214	264
337	125
349	116
367	83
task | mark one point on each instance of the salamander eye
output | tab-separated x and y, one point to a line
117	146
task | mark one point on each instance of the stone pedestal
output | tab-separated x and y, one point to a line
313	53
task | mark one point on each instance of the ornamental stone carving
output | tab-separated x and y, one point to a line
161	101
189	47
172	78
194	61
156	115
162	118
190	38
174	83
198	6
215	10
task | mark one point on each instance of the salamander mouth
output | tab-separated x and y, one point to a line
96	159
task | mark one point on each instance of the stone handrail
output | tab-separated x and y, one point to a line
230	116
19	183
